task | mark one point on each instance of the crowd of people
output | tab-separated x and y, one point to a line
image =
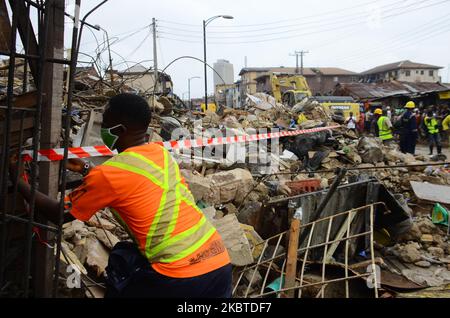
407	125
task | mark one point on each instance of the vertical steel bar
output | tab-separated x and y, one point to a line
273	255
25	66
6	139
305	259
372	252
73	64
347	293
42	32
281	277
324	260
256	268
20	163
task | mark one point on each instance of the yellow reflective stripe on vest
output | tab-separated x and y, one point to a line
162	203
160	245
431	125
191	249
176	208
124	225
170	208
145	159
185	238
383	133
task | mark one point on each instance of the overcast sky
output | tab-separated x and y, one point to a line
354	35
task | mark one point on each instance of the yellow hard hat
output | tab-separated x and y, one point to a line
410	104
378	111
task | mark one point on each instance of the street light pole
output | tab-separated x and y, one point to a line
189	91
205	23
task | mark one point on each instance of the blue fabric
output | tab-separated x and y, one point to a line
131	276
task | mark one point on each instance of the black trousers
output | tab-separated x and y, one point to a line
131	276
408	143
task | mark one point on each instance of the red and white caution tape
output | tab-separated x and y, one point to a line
100	151
78	152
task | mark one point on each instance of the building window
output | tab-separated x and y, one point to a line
407	73
417	72
431	72
421	72
336	79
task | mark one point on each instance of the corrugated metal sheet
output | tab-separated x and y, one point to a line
388	89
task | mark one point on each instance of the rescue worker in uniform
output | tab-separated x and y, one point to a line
176	252
432	130
384	126
408	129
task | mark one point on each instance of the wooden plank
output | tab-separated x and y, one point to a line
291	264
339	236
431	192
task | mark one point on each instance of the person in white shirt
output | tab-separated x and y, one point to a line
389	113
351	122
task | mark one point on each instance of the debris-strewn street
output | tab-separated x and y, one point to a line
321	182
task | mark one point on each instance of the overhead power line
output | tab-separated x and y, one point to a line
172	36
320	21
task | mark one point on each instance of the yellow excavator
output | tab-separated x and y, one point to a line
289	90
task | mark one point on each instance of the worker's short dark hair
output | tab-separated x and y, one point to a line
133	110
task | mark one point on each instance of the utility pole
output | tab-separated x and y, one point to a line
111	73
155	58
297	54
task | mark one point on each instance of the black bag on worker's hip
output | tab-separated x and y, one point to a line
124	262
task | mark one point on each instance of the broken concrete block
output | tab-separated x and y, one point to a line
370	150
234	239
97	255
199	186
99	222
413	234
72	259
426	238
107	238
426	226
231	185
70	228
436	252
227	186
254	239
409	253
423	264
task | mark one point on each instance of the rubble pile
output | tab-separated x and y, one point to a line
232	190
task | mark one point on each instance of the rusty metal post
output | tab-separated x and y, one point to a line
291	267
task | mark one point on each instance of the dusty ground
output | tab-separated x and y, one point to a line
422	149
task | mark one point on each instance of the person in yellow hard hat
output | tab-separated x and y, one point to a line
384	126
408	129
